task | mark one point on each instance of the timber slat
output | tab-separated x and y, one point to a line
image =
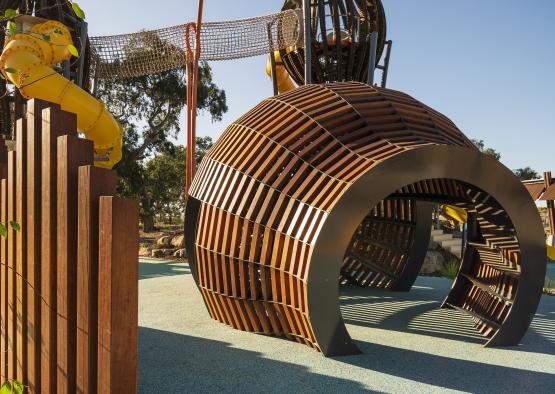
93	183
72	152
55	123
118	296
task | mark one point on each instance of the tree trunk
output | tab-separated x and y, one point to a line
148	223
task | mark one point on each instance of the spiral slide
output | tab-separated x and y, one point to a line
284	82
27	61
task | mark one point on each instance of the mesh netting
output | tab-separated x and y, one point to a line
153	51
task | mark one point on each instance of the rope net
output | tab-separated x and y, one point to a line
154	51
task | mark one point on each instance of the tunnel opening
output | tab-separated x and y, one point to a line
387	250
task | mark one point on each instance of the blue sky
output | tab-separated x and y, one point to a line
488	65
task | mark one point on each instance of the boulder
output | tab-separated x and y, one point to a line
433	263
164	240
169	252
180	253
178	241
157	253
144	251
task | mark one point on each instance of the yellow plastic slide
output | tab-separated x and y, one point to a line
27	62
551	247
455	213
284	82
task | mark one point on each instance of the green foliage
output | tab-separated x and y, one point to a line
15	226
78	11
450	269
4	228
526	173
10	70
71	48
10	14
488	151
165	178
14	387
12	29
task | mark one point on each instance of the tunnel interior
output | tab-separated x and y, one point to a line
389	245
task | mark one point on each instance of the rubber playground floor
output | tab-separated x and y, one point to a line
409	345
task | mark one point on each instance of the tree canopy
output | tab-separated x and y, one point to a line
526	173
480	144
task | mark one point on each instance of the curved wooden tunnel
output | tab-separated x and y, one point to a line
333	183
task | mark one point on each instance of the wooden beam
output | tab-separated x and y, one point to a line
93	183
118	295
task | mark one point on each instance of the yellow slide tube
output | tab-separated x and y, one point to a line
284	81
27	62
455	213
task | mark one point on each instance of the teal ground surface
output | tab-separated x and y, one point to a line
408	344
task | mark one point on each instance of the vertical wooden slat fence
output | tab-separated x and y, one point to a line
69	274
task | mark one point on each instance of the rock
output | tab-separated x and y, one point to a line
433	263
145	251
164	240
180	253
157	253
168	252
178	241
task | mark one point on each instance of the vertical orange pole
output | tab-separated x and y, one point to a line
189	71
192	95
548	181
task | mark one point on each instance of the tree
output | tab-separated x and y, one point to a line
149	108
526	173
164	177
488	151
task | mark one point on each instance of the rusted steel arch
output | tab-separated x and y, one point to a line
408	168
302	180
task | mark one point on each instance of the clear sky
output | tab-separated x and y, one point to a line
488	65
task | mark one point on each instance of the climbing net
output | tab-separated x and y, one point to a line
154	51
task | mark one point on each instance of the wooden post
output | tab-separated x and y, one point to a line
93	183
550	203
12	265
4	282
72	153
118	295
33	231
21	248
55	123
3	268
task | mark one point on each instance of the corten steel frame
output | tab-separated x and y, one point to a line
341	31
330	182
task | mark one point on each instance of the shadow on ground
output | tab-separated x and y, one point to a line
177	363
419	312
449	373
157	268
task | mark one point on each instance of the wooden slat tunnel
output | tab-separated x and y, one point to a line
334	182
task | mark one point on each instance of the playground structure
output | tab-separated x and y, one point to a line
332	183
324	184
328	193
544	190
